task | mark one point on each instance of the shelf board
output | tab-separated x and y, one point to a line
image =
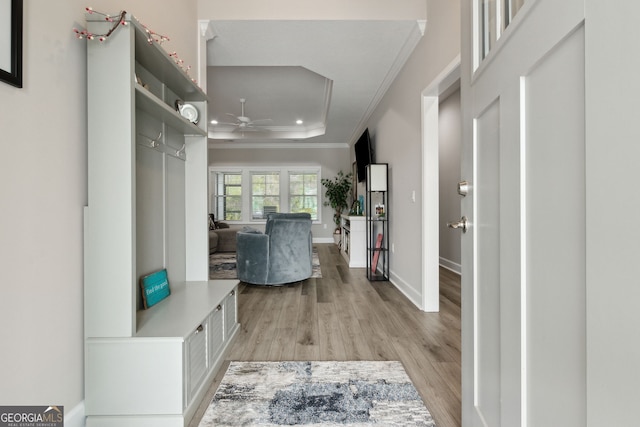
148	102
181	312
155	59
377	277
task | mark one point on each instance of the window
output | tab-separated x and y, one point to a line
303	193
245	194
511	7
227	199
265	194
492	17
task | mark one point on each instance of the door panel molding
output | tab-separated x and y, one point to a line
487	283
553	239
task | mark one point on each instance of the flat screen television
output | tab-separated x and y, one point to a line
364	154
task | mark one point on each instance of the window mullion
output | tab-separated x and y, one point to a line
284	191
246	195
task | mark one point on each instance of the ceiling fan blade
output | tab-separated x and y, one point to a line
246	129
261	121
244	123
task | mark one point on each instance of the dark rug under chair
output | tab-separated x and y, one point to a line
222	265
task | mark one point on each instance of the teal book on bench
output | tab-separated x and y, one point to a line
155	288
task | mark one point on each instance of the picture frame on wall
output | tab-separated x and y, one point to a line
11	15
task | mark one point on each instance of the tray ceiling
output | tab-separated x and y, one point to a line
329	74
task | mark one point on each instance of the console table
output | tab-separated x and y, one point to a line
353	240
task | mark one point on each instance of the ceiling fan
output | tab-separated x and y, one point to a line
244	123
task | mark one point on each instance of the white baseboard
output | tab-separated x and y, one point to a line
408	291
75	417
450	265
323	240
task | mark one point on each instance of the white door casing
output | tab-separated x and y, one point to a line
523	258
431	97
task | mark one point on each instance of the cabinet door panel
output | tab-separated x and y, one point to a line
230	305
216	333
134	376
196	345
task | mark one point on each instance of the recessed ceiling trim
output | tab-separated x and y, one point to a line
280	94
360	57
267	133
234	145
328	87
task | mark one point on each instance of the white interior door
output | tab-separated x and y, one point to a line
523	256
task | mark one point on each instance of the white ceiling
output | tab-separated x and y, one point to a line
330	74
273	100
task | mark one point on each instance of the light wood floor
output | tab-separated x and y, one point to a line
343	316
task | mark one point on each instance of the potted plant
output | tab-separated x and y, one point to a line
337	195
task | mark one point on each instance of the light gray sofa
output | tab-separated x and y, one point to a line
222	238
282	254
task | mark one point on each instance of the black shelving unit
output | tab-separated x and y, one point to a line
377	212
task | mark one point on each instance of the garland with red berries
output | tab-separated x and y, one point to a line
119	20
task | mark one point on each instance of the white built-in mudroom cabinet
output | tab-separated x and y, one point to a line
147	210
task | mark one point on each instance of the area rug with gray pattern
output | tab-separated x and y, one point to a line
316	394
222	265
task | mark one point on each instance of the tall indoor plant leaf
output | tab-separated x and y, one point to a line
337	194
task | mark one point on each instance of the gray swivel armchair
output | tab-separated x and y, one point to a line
282	254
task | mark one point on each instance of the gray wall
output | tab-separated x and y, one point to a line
396	129
43	176
331	160
450	136
325	9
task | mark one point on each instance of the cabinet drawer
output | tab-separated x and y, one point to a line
216	333
230	304
198	362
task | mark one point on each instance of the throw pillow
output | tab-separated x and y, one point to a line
247	229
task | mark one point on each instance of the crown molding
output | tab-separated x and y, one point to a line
206	29
400	61
422	25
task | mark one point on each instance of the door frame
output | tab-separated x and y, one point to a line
430	100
